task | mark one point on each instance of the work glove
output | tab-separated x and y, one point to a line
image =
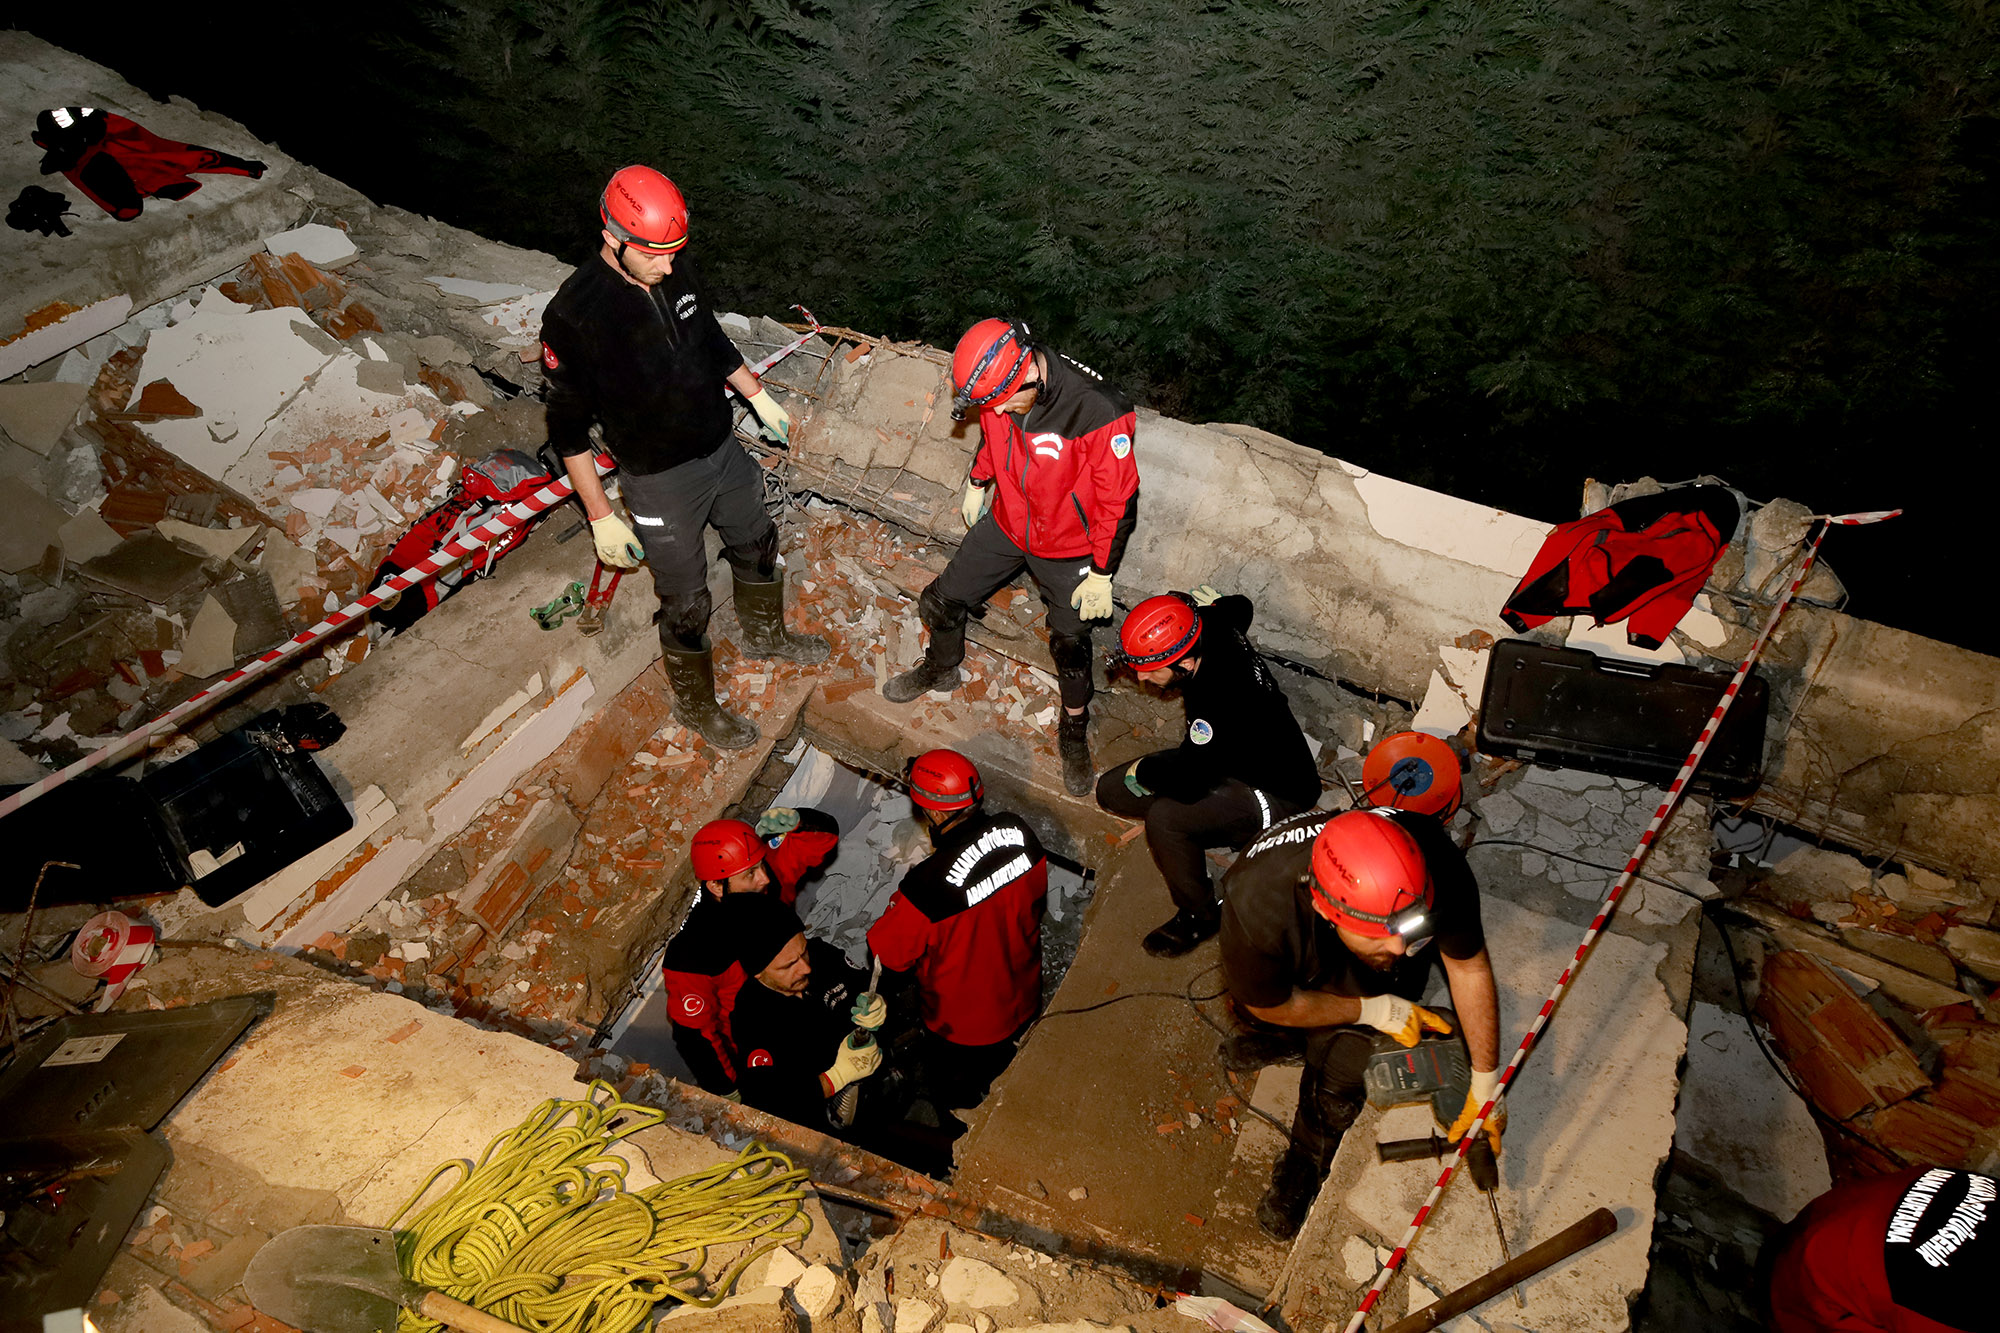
617	545
870	1011
977	499
777	421
1400	1019
1204	595
853	1064
776	820
1092	598
1132	783
735	1095
1485	1082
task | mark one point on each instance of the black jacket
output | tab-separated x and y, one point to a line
786	1042
647	364
1240	724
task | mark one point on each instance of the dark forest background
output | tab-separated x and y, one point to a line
1491	246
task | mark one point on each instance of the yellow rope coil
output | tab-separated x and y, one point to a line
542	1232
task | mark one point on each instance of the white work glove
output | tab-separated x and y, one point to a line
617	545
974	505
1485	1082
1204	595
870	1011
1399	1018
852	1065
1092	598
777	421
778	819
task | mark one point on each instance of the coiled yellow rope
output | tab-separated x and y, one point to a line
541	1230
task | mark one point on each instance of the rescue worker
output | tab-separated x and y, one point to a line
1910	1252
967	923
629	344
1054	487
1242	765
701	972
793	1015
1327	927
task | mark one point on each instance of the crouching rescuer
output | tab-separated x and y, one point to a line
630	345
1327	927
1054	487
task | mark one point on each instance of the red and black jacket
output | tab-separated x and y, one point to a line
968	923
1642	559
1065	476
119	164
700	968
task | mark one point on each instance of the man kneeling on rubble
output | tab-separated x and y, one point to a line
700	969
1326	925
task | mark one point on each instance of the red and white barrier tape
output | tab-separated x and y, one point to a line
513	516
1668	804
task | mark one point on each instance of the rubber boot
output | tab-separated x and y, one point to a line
1073	743
692	676
1294	1185
937	670
760	610
1182	933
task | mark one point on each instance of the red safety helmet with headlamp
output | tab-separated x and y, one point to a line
944	780
1369	876
988	363
724	847
1159	632
644	210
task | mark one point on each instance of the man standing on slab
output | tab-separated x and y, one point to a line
629	344
1054	488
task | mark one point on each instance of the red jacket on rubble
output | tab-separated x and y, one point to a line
1065	479
701	971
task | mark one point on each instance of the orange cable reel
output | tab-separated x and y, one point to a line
1413	771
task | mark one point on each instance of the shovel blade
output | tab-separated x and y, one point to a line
326	1279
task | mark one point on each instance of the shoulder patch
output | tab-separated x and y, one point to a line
759	1059
549	358
693	1006
1121	446
1200	732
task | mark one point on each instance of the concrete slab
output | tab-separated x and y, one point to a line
36	415
107	268
1741	1121
34	523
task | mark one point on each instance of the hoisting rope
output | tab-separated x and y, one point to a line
478	538
1668	804
542	1231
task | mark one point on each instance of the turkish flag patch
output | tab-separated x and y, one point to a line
692	1006
759	1059
549	357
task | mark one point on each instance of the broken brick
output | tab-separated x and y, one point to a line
405	1032
354	1071
1846	1056
1919	1133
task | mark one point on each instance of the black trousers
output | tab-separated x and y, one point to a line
956	1077
1331	1091
1179	833
985	562
669	511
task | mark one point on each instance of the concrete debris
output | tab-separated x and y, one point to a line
34	524
1976	949
36	415
150	566
316	243
1445	712
1738	1118
216	543
980	1286
86	536
210	646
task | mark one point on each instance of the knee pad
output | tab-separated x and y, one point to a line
1071	653
757	561
938	613
683	616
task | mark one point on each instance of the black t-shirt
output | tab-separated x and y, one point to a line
1274	942
1239	723
786	1042
647	364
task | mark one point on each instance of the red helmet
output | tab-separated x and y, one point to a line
944	780
989	362
1369	876
1413	771
724	847
1159	632
644	209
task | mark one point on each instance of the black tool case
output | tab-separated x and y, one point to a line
1568	708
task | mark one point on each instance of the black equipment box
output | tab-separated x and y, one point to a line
1568	708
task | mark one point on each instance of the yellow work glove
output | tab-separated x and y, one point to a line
1399	1018
617	546
1204	595
1092	598
1485	1082
853	1064
870	1011
777	421
976	501
776	820
1132	783
735	1095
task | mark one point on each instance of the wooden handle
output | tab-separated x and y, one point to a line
1594	1227
436	1305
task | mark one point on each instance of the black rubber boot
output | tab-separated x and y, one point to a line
1073	742
692	676
1183	933
760	610
1294	1185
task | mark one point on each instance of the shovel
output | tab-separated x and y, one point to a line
345	1280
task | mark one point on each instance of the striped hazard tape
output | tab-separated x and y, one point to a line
1668	804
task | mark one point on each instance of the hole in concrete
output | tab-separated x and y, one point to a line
880	841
